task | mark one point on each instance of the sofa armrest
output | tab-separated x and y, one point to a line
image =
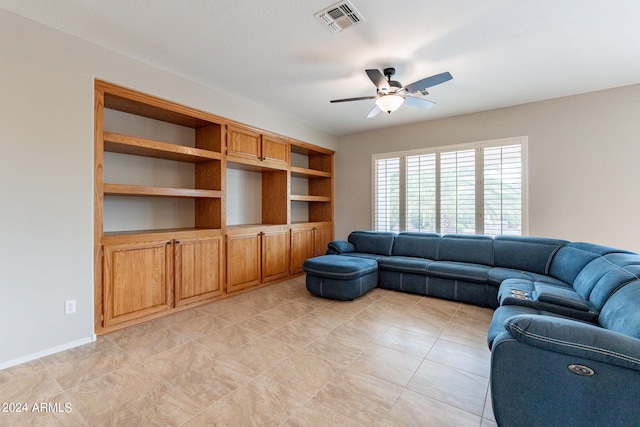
340	247
575	338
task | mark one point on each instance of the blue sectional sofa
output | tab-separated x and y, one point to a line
565	335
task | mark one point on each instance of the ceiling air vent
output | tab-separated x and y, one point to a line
339	16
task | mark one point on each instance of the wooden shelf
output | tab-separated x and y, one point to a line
124	144
305	198
299	172
145	191
253	165
118	237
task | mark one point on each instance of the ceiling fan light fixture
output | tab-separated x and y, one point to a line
389	103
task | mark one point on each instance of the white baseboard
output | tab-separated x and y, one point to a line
47	352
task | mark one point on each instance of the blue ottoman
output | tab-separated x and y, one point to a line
340	277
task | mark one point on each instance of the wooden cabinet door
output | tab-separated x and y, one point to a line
243	143
198	269
322	237
243	261
275	150
138	280
275	255
302	247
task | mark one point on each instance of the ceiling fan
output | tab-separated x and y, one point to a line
390	94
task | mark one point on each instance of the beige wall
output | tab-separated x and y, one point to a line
583	169
46	175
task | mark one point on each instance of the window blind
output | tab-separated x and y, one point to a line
387	194
475	189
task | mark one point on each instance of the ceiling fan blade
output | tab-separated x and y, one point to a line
425	104
428	82
374	112
378	79
361	98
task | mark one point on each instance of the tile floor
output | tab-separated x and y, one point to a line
277	356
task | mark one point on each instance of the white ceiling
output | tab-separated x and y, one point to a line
275	53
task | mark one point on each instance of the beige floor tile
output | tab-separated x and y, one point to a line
262	353
408	342
337	348
232	313
363	330
228	339
144	340
488	423
414	409
164	405
314	414
292	310
179	360
359	396
21	371
260	402
463	357
72	372
297	333
112	390
324	318
304	372
468	330
199	326
211	382
275	356
265	322
488	407
452	386
386	364
35	387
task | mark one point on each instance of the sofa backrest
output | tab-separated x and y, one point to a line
599	279
597	249
372	242
421	245
568	262
532	254
621	313
474	249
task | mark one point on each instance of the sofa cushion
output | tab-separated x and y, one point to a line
404	264
372	242
421	245
559	299
525	253
339	267
568	262
621	313
459	271
473	249
560	296
497	275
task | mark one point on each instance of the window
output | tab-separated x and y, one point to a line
474	189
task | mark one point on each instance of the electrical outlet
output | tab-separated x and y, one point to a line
70	306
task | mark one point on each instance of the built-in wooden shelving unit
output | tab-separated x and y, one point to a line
147	272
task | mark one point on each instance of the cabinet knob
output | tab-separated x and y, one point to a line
177	242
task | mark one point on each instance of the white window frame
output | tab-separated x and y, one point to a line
479	170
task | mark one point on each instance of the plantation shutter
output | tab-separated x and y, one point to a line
421	194
458	192
503	190
387	194
476	188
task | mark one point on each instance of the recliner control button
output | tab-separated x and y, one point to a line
582	370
